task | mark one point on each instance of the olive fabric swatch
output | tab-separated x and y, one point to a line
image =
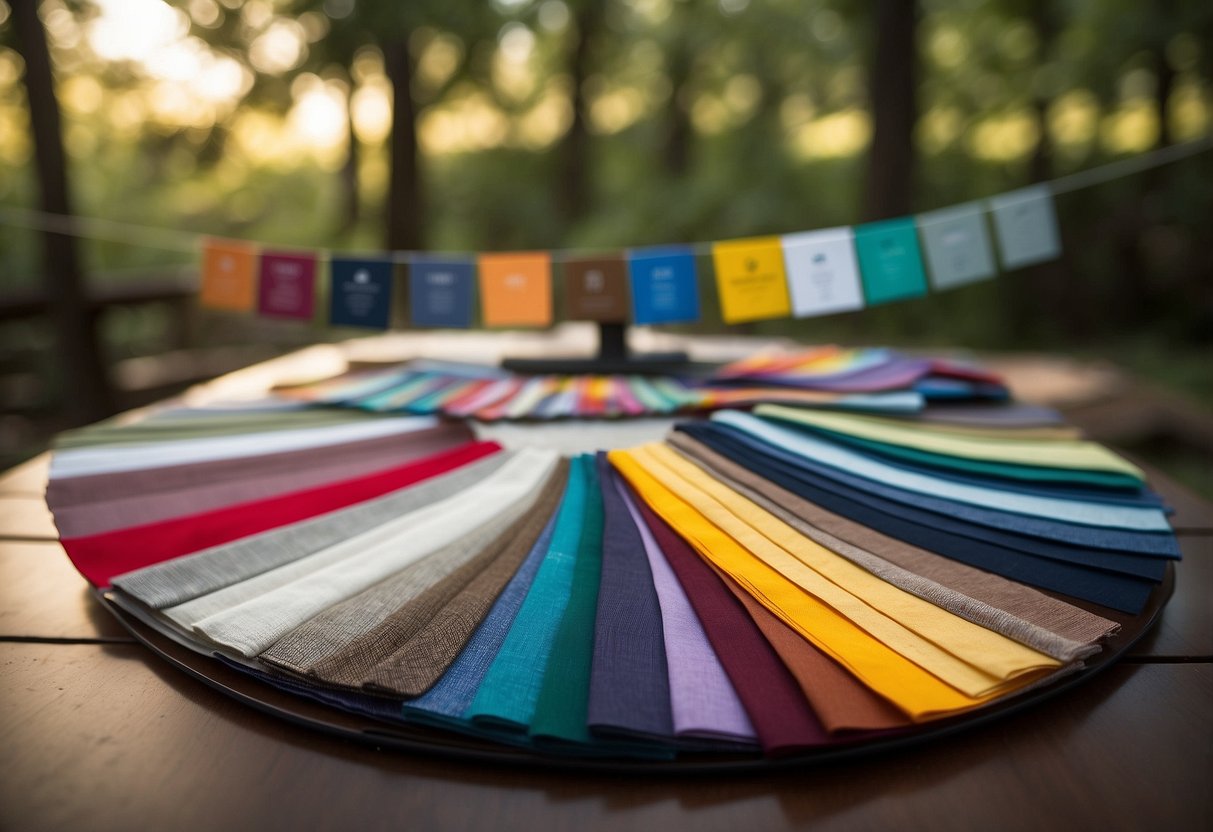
1077	455
838	457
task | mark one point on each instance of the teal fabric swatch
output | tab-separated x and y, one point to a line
560	712
890	261
510	690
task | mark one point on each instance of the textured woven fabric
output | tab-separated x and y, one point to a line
88	461
446	702
780	714
629	682
703	702
74	491
1109	589
413	646
1054	627
339	625
968	657
257	623
804	445
125	511
176	581
509	691
407	502
100	557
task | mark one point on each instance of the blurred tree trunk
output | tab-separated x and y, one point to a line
573	194
405	209
676	148
351	193
86	385
892	89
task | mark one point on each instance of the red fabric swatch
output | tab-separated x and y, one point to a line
100	557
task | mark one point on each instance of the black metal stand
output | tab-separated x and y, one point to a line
613	357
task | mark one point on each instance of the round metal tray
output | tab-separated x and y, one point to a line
423	740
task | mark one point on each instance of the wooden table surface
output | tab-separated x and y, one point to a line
97	734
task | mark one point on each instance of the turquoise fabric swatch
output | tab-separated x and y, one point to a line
560	712
510	690
890	262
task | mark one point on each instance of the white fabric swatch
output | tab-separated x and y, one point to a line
251	627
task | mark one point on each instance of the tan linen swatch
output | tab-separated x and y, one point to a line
406	653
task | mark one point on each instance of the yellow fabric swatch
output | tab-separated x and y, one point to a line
516	288
751	280
972	659
229	276
904	684
1074	454
966	646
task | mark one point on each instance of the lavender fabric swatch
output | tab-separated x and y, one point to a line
703	702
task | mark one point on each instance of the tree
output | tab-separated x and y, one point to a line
89	397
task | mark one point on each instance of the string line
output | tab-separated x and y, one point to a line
167	239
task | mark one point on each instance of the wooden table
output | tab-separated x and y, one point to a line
96	734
